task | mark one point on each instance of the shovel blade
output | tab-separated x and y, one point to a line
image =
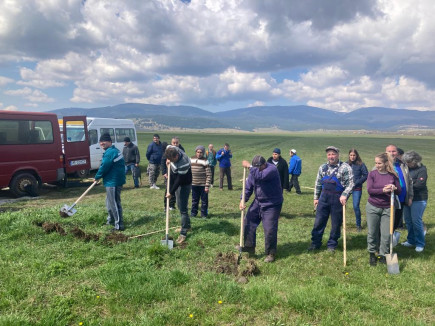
392	263
167	243
67	211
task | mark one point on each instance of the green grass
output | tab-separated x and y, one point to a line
49	279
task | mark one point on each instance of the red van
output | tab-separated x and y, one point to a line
32	153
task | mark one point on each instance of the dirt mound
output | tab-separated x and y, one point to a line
228	263
53	227
80	234
115	237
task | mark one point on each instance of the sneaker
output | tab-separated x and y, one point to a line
312	248
373	260
171	208
330	250
424	229
407	244
419	249
270	258
181	239
155	187
382	259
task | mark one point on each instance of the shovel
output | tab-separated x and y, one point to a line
168	243
344	235
242	215
391	258
67	211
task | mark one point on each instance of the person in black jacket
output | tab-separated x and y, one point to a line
282	167
132	159
360	174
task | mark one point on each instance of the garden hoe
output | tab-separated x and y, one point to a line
67	211
242	216
344	235
391	258
168	243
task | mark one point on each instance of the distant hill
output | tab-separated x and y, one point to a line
291	118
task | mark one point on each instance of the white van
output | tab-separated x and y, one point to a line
118	129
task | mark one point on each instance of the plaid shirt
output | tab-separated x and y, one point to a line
344	175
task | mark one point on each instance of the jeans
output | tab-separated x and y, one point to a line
198	193
182	194
414	222
114	208
131	167
356	199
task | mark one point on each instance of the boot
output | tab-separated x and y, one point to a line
373	259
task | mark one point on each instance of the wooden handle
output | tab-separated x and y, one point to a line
344	235
142	235
242	215
84	194
168	185
392	212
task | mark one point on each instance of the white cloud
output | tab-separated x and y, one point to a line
5	80
31	95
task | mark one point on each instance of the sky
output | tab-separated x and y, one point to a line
217	55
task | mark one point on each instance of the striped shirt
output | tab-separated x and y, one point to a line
344	175
201	172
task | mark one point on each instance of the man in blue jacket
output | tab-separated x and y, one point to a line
295	169
154	156
223	156
112	170
264	181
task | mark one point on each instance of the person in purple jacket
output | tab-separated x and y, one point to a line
380	183
264	181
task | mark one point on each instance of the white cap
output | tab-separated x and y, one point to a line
293	151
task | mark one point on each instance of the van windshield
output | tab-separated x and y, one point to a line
24	132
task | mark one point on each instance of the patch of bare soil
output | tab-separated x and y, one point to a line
53	227
230	264
80	234
115	237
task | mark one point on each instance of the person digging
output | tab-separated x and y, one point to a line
264	181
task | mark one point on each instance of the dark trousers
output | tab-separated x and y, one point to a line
329	204
294	182
269	216
212	174
198	193
222	173
398	217
172	200
114	208
183	193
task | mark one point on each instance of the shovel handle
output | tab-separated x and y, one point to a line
344	235
85	193
242	215
392	212
168	186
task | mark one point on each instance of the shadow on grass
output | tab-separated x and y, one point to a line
219	226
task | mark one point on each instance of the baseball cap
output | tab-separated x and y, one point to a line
332	148
293	151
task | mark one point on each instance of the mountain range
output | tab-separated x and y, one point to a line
288	118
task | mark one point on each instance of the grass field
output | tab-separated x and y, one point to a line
74	279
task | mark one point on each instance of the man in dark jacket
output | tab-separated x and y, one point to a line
263	180
181	185
154	156
282	167
132	159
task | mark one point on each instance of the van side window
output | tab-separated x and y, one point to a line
121	133
108	131
75	131
93	137
21	132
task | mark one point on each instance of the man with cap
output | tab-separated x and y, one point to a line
282	167
112	170
201	179
132	159
264	181
334	183
295	169
154	156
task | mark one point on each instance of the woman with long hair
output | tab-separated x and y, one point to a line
360	174
414	213
380	183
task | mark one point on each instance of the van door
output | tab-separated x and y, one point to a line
76	144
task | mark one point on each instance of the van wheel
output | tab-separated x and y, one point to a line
24	184
82	173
